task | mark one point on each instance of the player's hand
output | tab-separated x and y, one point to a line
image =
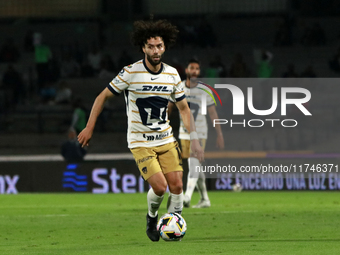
220	142
197	150
84	137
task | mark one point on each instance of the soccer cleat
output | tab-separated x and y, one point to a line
186	202
202	204
151	228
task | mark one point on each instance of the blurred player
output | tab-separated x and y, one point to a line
193	94
148	85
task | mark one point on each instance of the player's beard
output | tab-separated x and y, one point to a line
193	80
153	62
192	76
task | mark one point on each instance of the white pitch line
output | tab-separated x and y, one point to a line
125	213
45	206
57	157
37	216
221	212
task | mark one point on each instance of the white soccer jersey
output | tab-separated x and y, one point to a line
147	95
194	98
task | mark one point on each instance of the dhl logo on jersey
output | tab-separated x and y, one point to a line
155	88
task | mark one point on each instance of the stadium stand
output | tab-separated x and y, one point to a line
46	123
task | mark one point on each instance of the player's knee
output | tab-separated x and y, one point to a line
160	188
176	187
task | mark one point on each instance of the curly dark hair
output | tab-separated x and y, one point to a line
144	30
193	60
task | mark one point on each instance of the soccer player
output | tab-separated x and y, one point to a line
193	93
148	85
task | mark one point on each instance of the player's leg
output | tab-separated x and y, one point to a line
192	176
146	159
192	179
201	186
170	159
155	195
202	189
175	200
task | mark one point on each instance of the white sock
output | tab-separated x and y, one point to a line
154	202
202	188
176	203
192	177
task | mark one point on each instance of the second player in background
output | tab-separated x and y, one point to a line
193	91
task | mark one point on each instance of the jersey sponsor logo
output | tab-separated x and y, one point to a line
154	88
154	78
149	137
156	137
122	71
192	96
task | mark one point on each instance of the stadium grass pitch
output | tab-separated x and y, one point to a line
236	223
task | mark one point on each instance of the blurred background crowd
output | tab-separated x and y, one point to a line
55	59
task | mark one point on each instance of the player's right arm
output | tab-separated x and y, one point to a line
213	115
189	123
85	136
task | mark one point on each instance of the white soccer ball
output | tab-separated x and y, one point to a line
237	187
172	227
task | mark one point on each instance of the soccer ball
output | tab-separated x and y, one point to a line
237	187
172	227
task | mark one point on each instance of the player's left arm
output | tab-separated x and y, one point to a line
171	105
213	115
189	123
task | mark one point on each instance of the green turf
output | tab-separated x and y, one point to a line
236	223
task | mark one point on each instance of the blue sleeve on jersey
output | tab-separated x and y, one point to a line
180	98
113	91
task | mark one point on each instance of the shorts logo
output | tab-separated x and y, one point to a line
144	170
140	161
